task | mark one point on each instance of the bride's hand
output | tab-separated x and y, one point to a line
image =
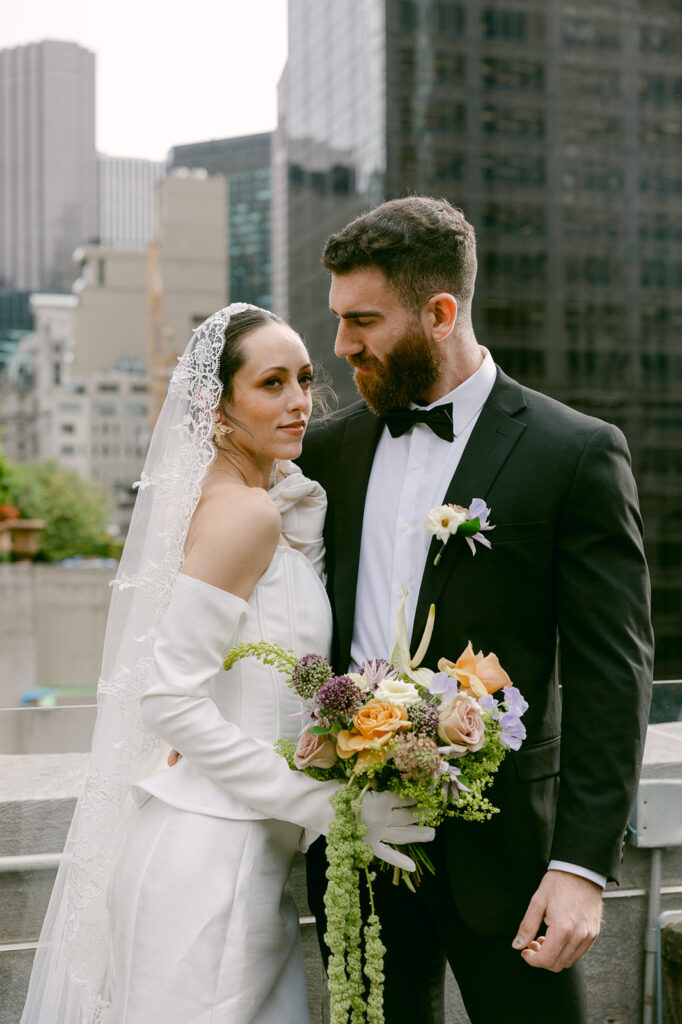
390	819
174	757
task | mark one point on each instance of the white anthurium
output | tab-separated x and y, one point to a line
401	658
359	679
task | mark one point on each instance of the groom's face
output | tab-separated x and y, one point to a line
394	361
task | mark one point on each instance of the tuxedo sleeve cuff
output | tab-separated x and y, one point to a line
576	869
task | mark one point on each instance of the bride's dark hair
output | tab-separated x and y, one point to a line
232	357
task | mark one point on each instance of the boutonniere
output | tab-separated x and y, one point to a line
446	520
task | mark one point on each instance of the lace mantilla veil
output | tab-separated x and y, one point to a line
71	981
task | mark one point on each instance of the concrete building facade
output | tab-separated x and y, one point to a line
48	167
244	162
127	201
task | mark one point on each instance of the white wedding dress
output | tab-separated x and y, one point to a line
203	928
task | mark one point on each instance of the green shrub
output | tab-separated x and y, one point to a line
75	511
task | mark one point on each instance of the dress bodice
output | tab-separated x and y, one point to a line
288	606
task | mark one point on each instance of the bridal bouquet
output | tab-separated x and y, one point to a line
435	737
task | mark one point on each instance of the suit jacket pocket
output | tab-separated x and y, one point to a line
539	761
526	533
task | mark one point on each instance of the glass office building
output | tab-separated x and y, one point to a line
245	163
556	127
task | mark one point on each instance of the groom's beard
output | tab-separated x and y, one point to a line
405	374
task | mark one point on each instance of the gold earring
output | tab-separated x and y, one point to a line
221	430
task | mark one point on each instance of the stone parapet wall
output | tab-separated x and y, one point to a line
52	622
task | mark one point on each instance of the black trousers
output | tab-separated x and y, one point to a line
423	931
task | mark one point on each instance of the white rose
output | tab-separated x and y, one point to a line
397	692
444	521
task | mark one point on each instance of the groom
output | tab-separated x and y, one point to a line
562	597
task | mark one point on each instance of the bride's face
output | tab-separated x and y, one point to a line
271	394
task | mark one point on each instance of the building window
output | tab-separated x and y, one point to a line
519	26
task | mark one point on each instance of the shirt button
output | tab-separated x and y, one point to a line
415	465
404	527
398	592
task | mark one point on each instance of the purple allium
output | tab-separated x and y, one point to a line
340	698
416	757
424	718
376	671
310	674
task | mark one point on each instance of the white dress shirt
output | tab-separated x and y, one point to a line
410	475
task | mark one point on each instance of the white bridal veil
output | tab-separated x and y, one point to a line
71	980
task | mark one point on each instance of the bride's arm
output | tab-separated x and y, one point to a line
201	624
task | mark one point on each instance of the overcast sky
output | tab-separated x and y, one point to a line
167	72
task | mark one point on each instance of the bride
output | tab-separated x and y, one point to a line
170	904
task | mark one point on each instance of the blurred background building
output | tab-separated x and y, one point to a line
244	162
556	128
48	170
127	200
85	384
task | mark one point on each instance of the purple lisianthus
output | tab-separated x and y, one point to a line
450	774
376	671
488	703
443	685
514	701
340	698
310	674
513	730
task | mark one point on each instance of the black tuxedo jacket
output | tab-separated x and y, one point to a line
562	596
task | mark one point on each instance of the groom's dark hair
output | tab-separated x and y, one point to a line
422	245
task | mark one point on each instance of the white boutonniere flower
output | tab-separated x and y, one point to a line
446	520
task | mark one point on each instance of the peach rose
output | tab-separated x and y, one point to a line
375	723
460	724
476	673
315	751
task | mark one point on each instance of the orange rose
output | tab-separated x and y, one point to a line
476	673
375	724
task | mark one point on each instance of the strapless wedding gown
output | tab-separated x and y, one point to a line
204	930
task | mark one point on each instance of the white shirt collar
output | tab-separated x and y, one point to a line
469	397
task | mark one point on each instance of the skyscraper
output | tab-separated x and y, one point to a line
127	200
245	164
48	164
556	128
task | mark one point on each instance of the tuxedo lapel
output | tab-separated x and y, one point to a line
491	442
355	465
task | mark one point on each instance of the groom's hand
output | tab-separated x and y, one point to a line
571	907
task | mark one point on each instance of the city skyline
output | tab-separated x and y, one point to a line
199	80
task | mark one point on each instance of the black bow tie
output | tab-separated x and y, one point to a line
439	419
